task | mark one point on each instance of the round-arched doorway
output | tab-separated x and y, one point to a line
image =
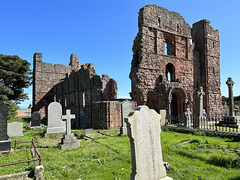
177	102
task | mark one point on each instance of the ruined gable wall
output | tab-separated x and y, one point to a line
156	26
207	43
45	76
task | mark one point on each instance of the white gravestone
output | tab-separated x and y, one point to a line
143	129
126	108
15	129
68	141
55	123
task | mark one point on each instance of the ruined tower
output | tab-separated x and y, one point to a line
170	61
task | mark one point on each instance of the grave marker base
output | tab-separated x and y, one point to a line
5	145
68	142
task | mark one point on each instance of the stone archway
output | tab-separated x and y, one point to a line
177	101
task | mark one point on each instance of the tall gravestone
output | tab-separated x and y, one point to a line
126	108
68	141
201	120
5	144
231	120
187	115
55	123
230	84
143	129
35	120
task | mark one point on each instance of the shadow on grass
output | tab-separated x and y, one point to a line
235	139
235	178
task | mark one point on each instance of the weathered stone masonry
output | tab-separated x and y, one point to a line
171	60
75	89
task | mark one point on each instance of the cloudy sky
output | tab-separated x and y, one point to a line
102	32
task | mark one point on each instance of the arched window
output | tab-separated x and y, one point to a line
170	72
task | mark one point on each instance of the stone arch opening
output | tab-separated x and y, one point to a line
170	72
177	102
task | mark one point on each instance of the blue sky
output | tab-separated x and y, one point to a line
102	32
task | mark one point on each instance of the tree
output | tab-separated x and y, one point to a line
15	75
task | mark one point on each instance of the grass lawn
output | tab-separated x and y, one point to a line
108	157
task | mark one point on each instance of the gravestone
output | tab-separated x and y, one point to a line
230	84
88	131
201	120
15	129
35	120
55	123
231	120
143	129
5	144
126	108
187	115
68	141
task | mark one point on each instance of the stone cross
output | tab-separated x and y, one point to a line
68	118
200	94
188	114
230	84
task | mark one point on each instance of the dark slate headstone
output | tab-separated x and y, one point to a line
5	144
35	119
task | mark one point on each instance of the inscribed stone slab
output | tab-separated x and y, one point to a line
15	129
144	130
126	108
36	119
88	131
55	123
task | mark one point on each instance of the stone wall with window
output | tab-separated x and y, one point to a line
166	65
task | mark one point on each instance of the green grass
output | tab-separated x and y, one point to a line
109	157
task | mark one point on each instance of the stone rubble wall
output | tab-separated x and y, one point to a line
73	88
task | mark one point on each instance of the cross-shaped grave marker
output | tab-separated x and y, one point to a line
230	84
200	94
68	118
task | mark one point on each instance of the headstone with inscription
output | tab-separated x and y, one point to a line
15	129
5	144
68	141
143	129
35	119
55	123
126	108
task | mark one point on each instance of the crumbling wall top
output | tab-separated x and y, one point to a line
160	18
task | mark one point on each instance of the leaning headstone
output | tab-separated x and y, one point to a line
15	129
126	108
55	123
5	144
68	141
35	120
143	129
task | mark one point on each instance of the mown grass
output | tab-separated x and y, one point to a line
109	157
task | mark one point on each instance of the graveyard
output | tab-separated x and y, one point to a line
175	124
108	156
